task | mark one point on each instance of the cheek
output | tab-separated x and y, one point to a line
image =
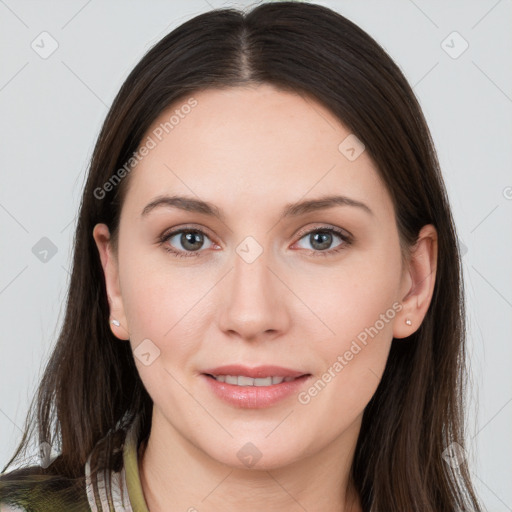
158	293
159	306
358	305
165	304
353	361
351	296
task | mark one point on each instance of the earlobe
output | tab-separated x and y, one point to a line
118	323
419	282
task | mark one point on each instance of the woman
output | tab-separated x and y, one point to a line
208	358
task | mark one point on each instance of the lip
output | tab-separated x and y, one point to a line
255	397
257	372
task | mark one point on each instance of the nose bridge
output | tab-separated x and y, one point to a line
251	275
254	304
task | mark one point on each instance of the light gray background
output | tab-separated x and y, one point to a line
52	109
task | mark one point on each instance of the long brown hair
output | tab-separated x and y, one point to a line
91	389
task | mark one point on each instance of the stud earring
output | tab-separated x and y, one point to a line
116	323
408	322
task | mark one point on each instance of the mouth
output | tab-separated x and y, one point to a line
243	380
263	375
254	388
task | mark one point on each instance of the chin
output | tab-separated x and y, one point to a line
255	455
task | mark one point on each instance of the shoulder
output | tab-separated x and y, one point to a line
30	489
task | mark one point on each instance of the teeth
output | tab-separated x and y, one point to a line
242	380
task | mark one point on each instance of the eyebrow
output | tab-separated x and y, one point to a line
191	204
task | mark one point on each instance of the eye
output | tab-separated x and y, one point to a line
321	239
191	241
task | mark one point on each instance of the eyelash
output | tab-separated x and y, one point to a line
347	241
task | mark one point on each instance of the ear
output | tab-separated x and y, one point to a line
418	283
110	266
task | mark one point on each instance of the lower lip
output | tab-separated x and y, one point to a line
255	397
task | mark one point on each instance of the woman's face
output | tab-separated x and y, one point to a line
264	283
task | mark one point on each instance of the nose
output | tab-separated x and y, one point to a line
255	302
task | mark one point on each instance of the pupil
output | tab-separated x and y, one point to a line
323	245
187	240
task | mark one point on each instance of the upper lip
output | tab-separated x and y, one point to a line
255	372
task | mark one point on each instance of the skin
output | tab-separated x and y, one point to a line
251	151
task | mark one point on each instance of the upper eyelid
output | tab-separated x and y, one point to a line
325	226
187	227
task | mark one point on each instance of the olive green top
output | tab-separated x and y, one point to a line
32	492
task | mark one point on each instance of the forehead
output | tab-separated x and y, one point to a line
256	144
